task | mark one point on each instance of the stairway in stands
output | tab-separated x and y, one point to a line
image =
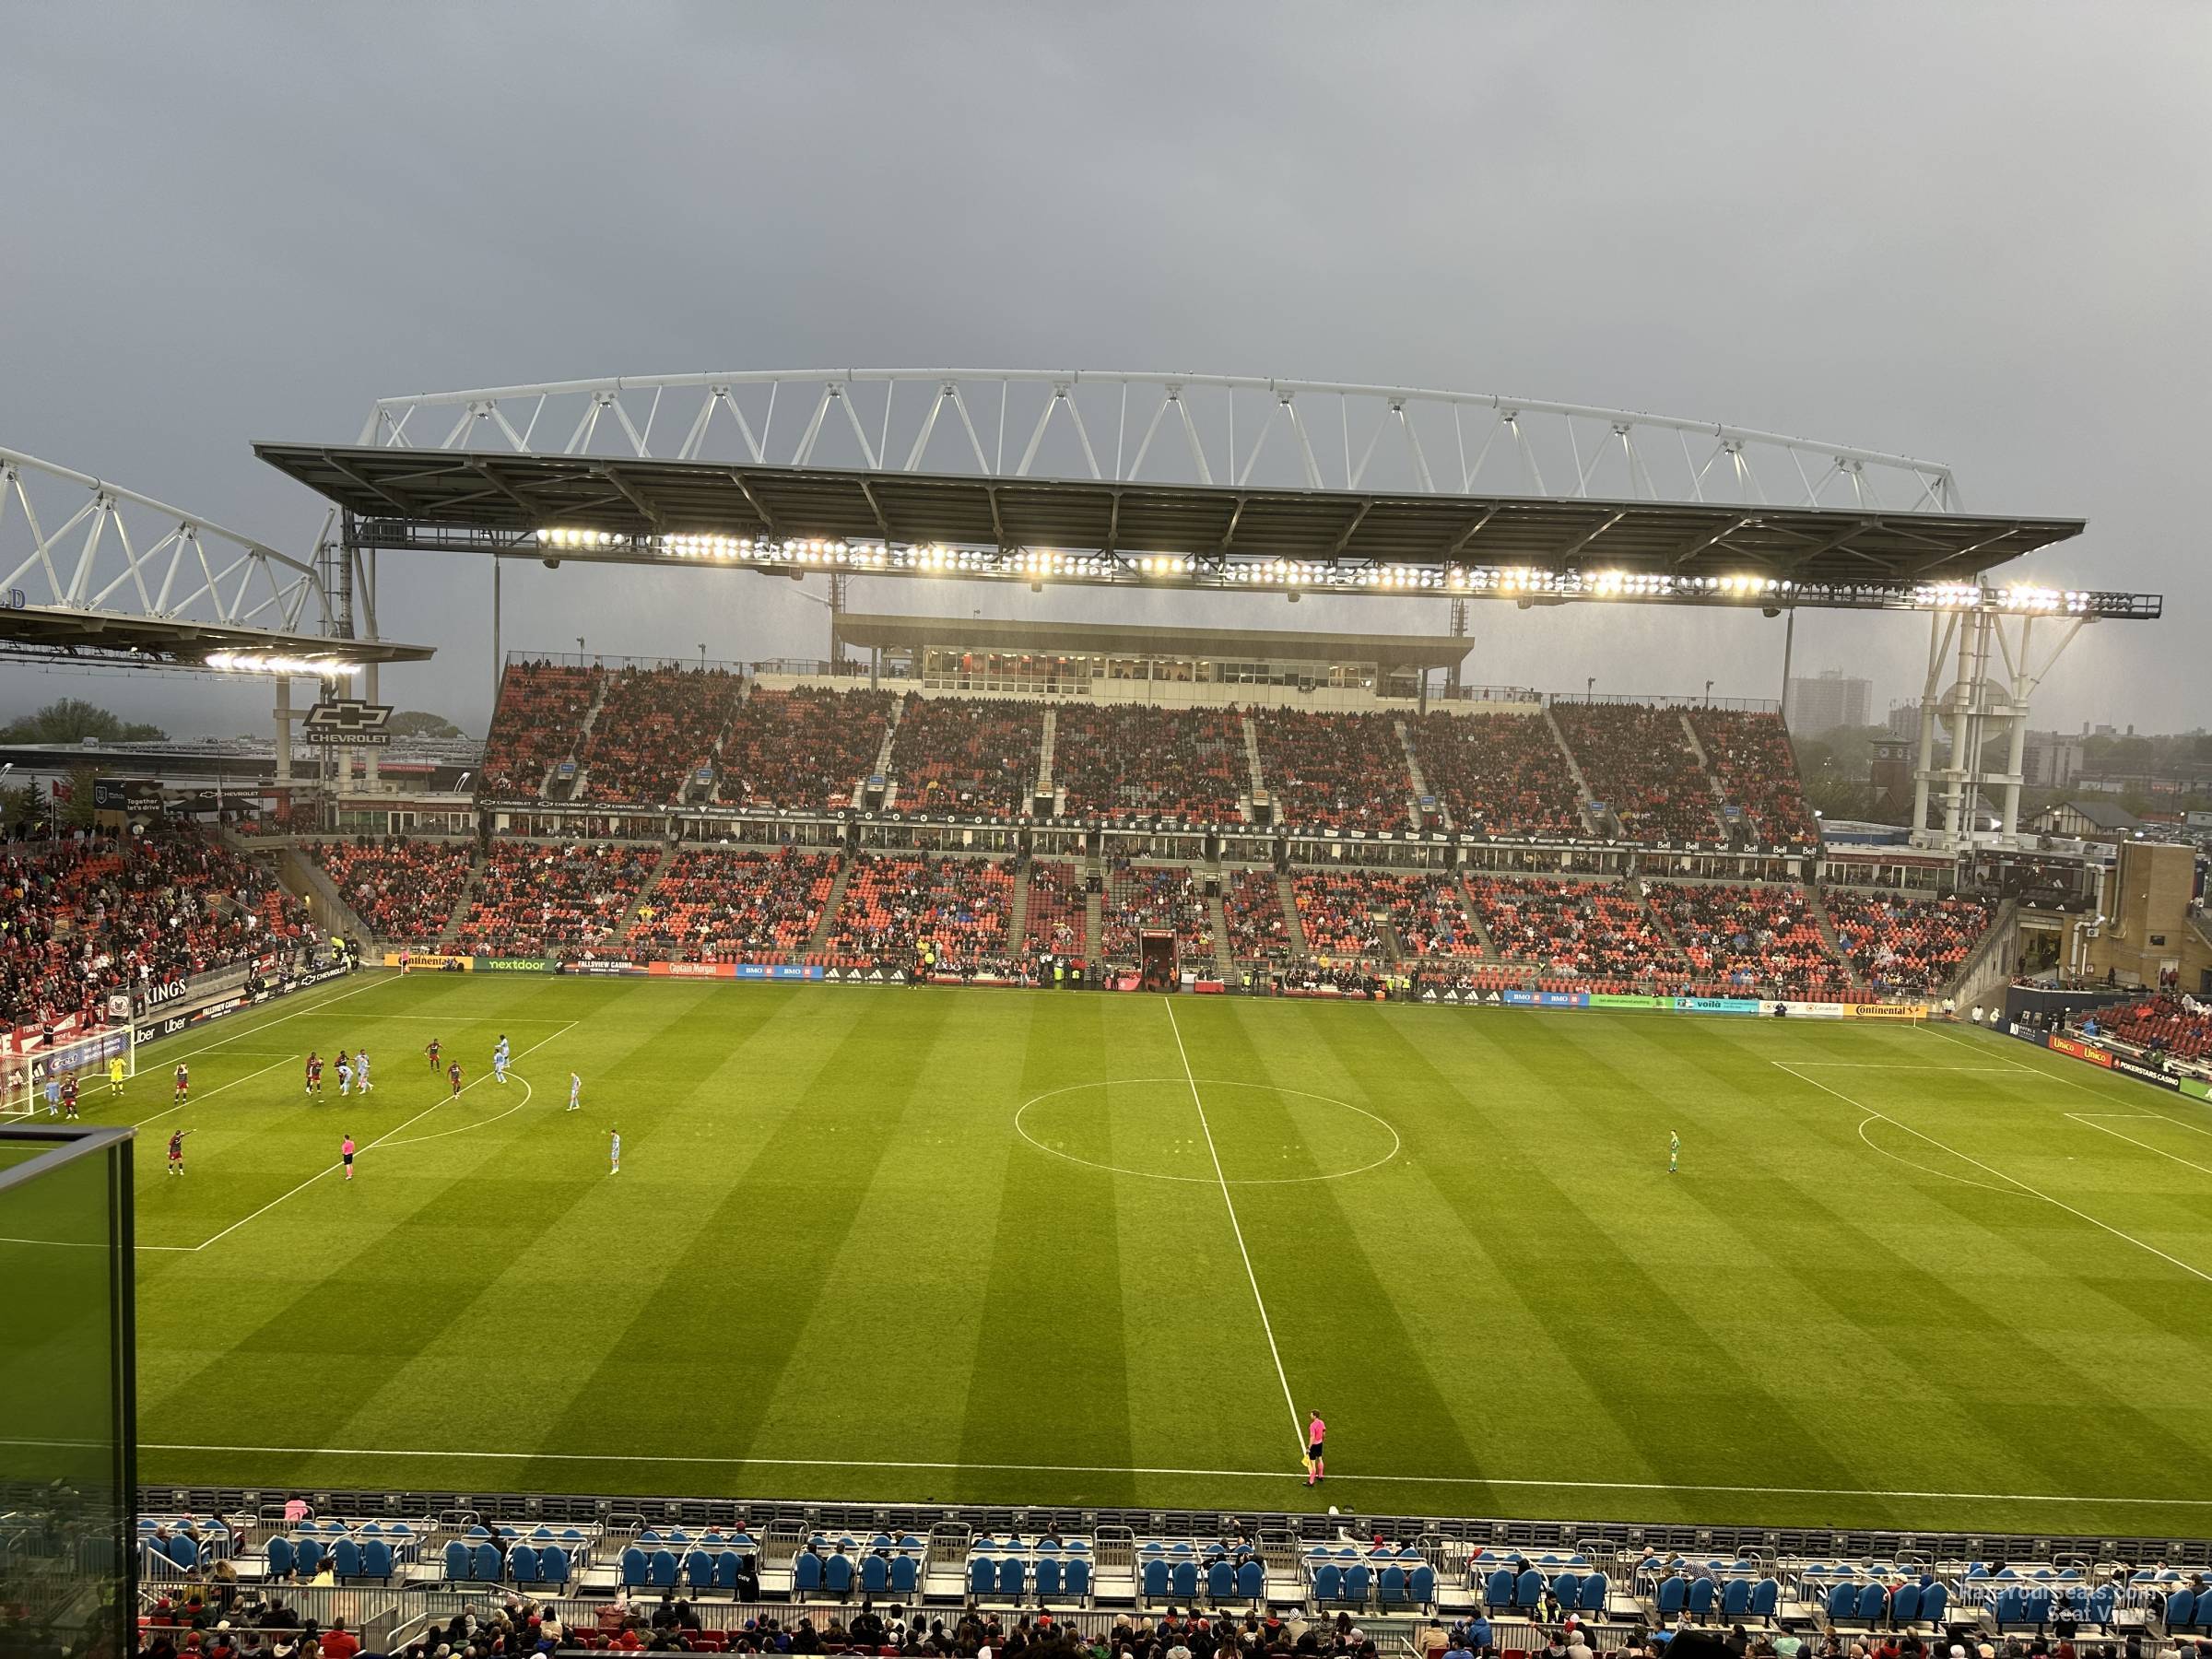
1216	915
1581	784
1292	928
883	760
583	738
1466	896
1251	756
1421	784
1017	915
1834	940
297	873
1094	911
629	917
463	904
1044	751
1661	923
818	940
1720	797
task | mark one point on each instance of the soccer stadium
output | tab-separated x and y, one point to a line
1099	1124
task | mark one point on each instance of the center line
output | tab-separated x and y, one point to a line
1251	1278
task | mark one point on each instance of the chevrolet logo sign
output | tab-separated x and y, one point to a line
348	720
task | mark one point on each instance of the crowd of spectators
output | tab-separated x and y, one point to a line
1154	897
1761	940
2162	1023
539	722
953	911
403	889
1751	756
1343	771
966	754
1580	929
84	918
1342	913
1906	947
1058	919
656	730
1252	907
1636	760
805	747
1496	774
1126	760
723	905
533	900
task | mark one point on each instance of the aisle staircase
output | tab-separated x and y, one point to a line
883	760
463	904
1581	784
1659	924
1018	913
1094	914
1292	929
584	741
818	940
1224	960
1482	933
1713	782
1252	754
644	893
1834	940
1421	784
1044	751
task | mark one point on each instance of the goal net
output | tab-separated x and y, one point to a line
23	1077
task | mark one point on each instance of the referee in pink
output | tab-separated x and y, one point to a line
345	1151
1316	1431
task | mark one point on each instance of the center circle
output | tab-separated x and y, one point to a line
1263	1134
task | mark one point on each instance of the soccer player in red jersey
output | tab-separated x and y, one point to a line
454	1071
183	1086
432	1052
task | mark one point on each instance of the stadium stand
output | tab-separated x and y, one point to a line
1141	898
1576	933
655	729
1056	921
966	754
1752	940
805	747
726	904
1338	771
1750	757
1252	906
2162	1024
1496	774
538	723
950	911
404	890
1638	762
534	900
1126	760
1906	947
82	919
1342	913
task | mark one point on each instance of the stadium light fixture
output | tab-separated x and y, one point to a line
262	662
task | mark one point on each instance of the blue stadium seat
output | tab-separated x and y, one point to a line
346	1559
1528	1589
183	1552
1356	1581
806	1574
1593	1593
307	1556
875	1575
1844	1603
1156	1580
698	1567
906	1574
1390	1587
1873	1602
1048	1578
1934	1602
2181	1610
1013	1576
1498	1590
1904	1606
553	1565
1252	1580
1221	1581
1735	1599
982	1578
1568	1587
1077	1584
522	1564
2104	1603
376	1560
280	1557
1183	1577
1703	1594
1766	1597
484	1564
1328	1582
837	1575
1674	1595
633	1565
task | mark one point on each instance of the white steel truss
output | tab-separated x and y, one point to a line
70	542
1201	429
1993	663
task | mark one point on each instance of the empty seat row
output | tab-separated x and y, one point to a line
1050	1579
1576	1592
836	1575
1393	1586
525	1564
1912	1604
2185	1610
346	1557
1732	1598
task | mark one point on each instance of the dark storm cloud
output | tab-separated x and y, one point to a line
1973	233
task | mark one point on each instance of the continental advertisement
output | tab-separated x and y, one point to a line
1888	1010
425	961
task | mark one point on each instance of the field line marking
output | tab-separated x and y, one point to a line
84	1243
1266	1324
1278	1475
260	1025
1923	1168
373	1145
2181	1122
2090	1121
1892	1065
2011	1180
219	1089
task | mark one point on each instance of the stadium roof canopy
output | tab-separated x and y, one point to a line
499	501
1112	639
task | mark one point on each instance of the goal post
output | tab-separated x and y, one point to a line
23	1076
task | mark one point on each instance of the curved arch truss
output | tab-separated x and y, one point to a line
1172	428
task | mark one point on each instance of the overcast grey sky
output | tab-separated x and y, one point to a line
1977	233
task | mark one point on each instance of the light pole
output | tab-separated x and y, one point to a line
1590	688
1709	694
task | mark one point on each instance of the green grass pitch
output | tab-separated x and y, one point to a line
1006	1247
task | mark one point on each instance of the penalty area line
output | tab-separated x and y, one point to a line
950	1467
